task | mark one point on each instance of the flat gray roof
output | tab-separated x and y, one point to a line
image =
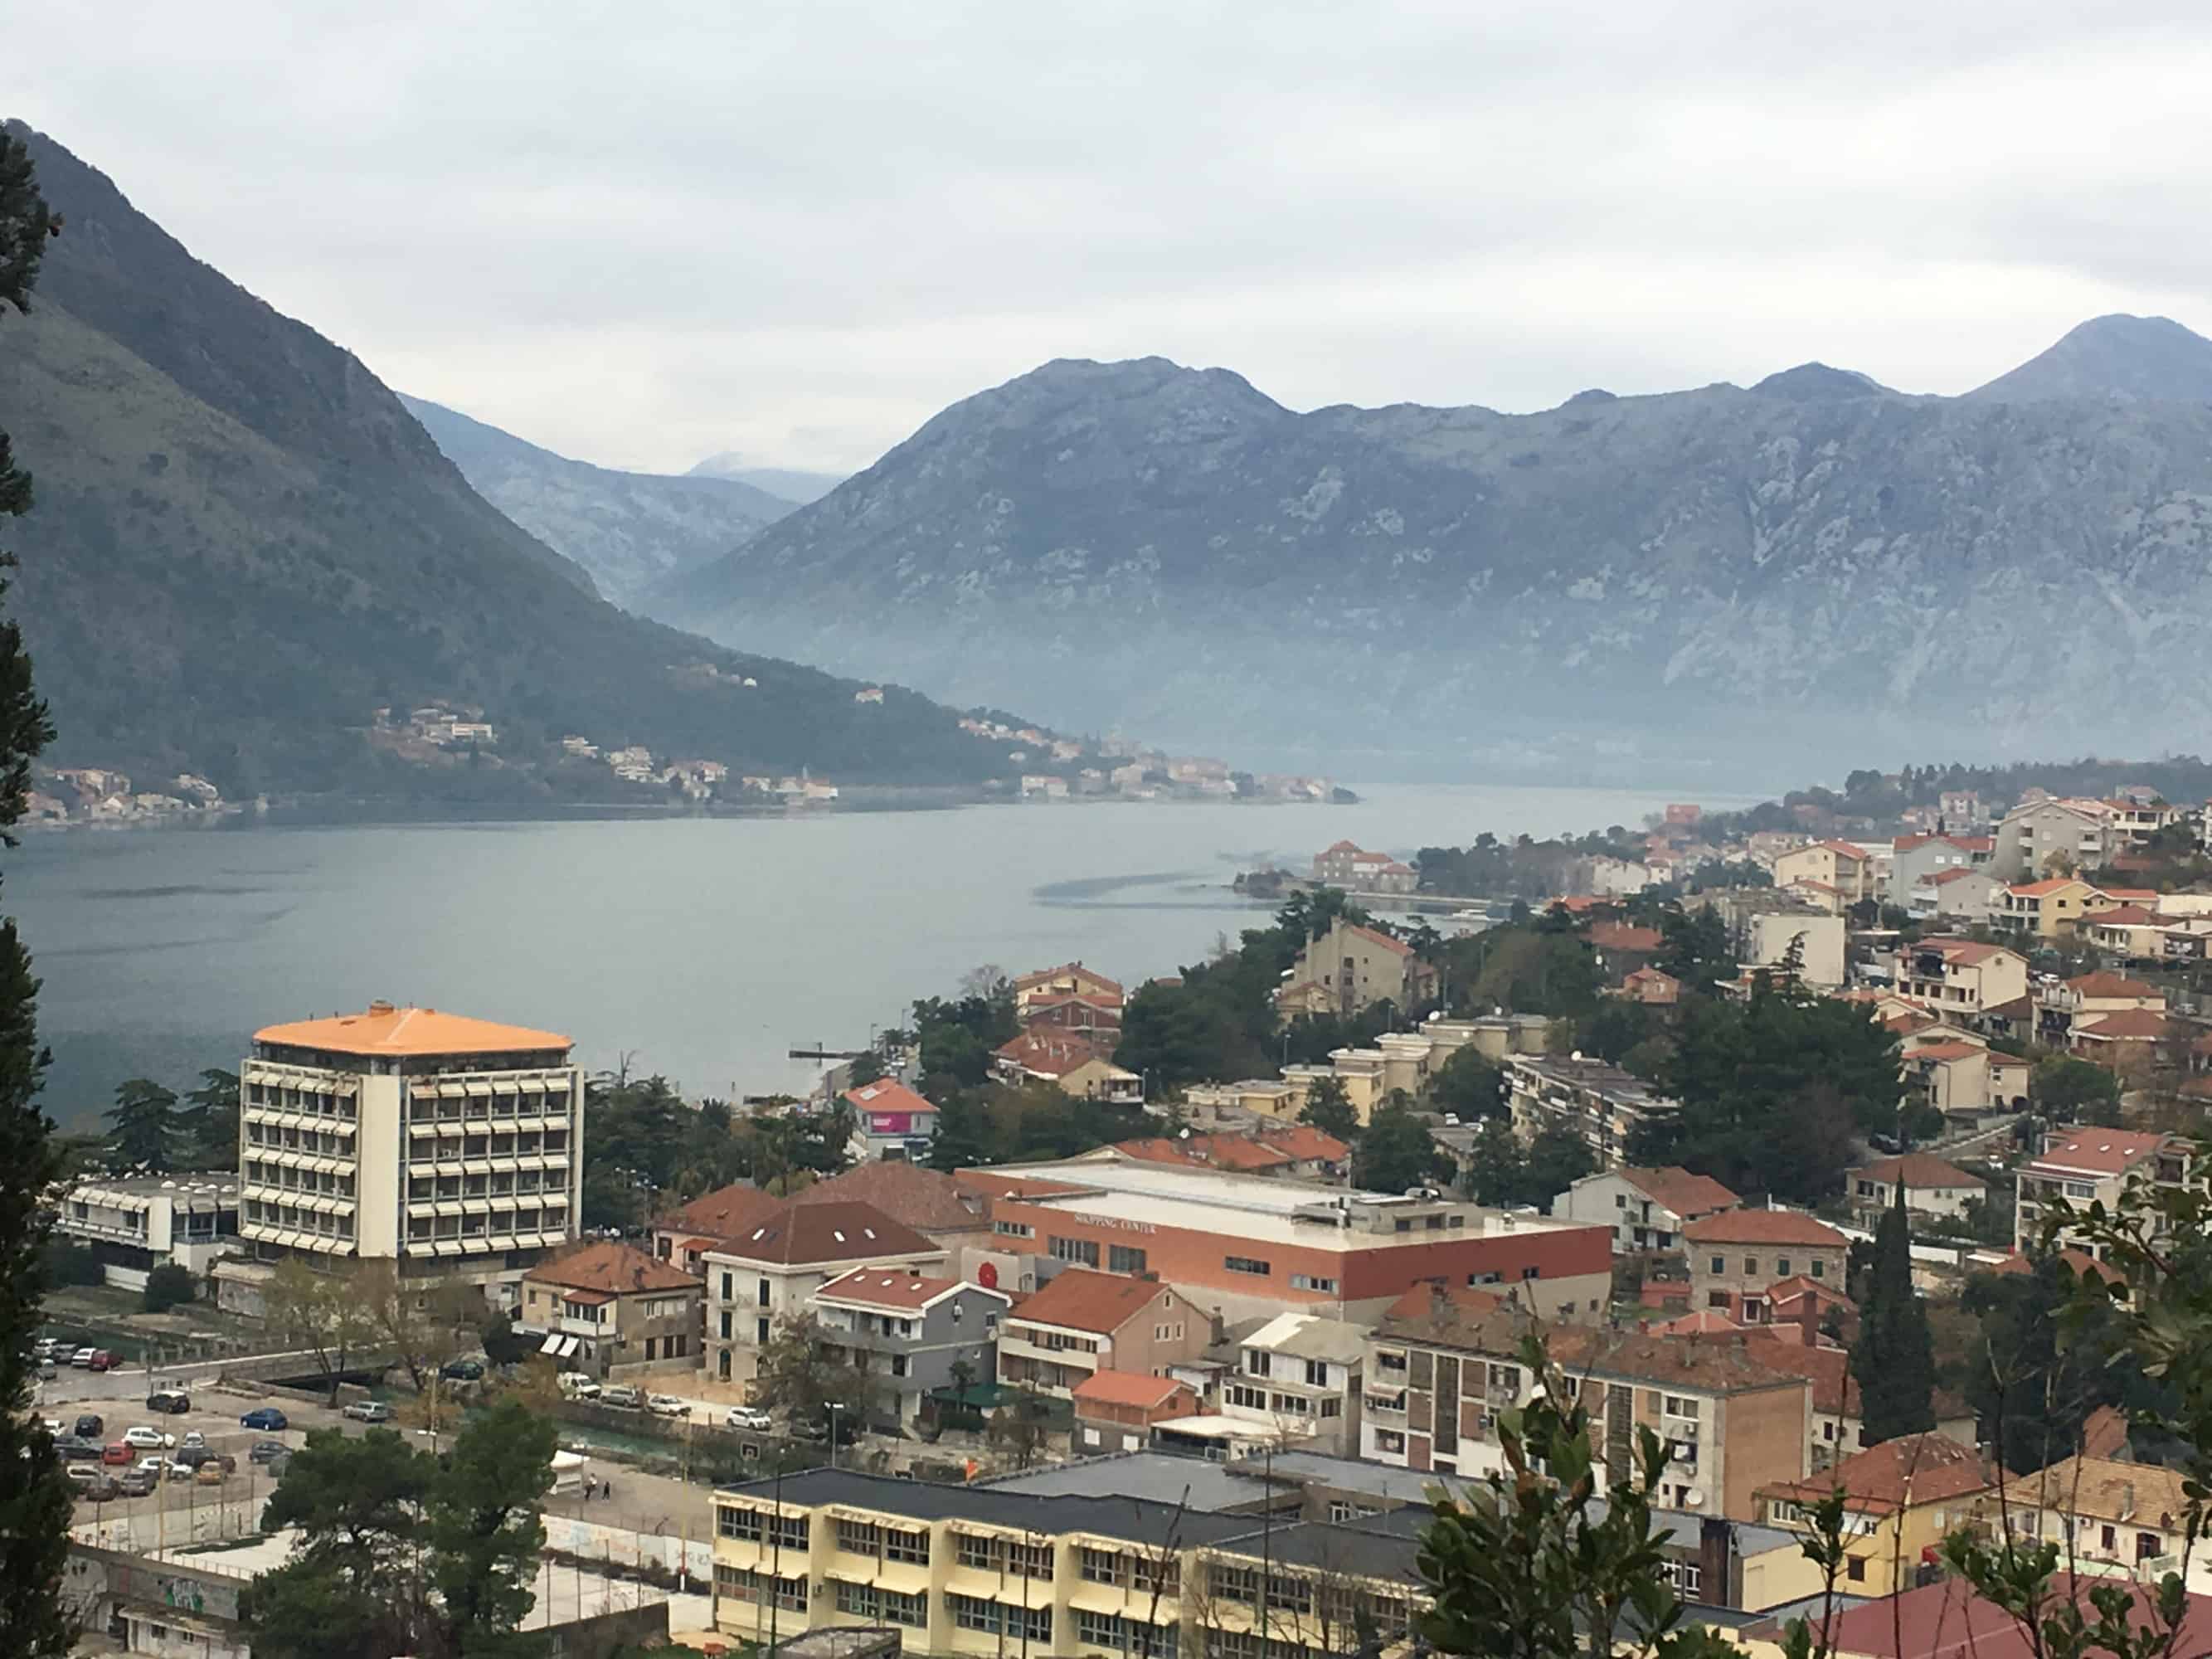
1157	1476
1138	1520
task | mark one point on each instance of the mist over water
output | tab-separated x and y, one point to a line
701	948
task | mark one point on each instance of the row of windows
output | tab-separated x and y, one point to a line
553	1218
323	1144
1312	1282
1115	1634
1246	1264
1259	1362
1782	1266
301	1221
431	1108
258	1173
889	1606
309	1103
738	1584
758	1527
422	1189
1133	1572
445	1149
993	1618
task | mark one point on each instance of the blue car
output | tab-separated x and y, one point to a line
266	1417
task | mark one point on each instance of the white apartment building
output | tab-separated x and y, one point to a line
1600	1102
137	1224
450	1144
1297	1380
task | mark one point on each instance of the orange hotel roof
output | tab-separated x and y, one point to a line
383	1030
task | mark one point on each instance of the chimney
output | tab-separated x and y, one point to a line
1717	1563
379	1006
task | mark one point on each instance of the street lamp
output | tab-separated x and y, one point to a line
833	1407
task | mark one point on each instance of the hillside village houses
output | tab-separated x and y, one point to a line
1647	1209
1352	967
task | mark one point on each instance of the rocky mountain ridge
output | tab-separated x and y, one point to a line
1724	569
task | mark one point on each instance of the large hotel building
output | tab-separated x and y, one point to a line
453	1146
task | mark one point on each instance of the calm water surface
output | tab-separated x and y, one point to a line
701	948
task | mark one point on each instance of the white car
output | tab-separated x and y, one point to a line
667	1404
194	1437
748	1416
577	1386
156	1466
82	1357
148	1439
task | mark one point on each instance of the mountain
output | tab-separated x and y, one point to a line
2137	358
1714	578
242	544
795	487
628	530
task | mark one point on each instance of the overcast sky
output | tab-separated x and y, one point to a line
641	233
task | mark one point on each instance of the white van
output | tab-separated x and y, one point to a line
577	1386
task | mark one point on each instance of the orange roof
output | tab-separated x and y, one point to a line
1915	1469
1679	1190
1079	1299
1111	1388
2084	1265
2124	915
1956	872
611	1267
1049	1052
926	1199
1764	1227
887	1094
877	1288
836	1230
721	1213
2107	984
2131	894
1066	970
2098	1152
383	1030
1706	1322
1944	1051
1920	1168
1965	950
1804	1284
2128	1025
1625	936
1373	936
2044	889
1421	1300
1842	849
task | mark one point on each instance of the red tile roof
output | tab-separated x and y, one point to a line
1915	1469
1956	873
736	1208
1111	1388
2098	1152
887	1094
900	1292
1764	1227
1919	1170
2126	1025
1066	970
1965	952
383	1030
1623	936
1419	1301
1945	1051
1843	849
2044	889
2124	915
2105	983
1048	1053
1680	1191
1078	1300
611	1267
926	1199
1397	947
830	1230
2084	1265
1705	1322
1947	1620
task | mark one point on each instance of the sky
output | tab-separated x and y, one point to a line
645	233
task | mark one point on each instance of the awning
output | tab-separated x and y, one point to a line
535	1085
552	1344
476	1206
476	1166
1101	1598
889	1575
478	1091
447	1247
453	1129
506	1242
349	1086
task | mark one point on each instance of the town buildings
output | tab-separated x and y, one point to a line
1900	1498
772	1271
2046	837
1070	979
1438	1379
1297	1377
1070	1062
1242	1246
908	1334
135	1224
1079	1323
2086	1166
1737	1255
1647	1209
1957	978
1772	937
1352	967
1932	1185
1841	868
889	1120
452	1146
606	1307
2120	1518
1597	1101
1116	1410
1351	867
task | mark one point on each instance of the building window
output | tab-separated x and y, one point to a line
1855	1568
1238	1394
859	1537
911	1548
1014	1229
1820	1268
1720	1264
978	1552
1751	1266
1308	1282
1125	1259
1245	1264
1332	1406
1782	1266
1082	1251
1257	1362
1030	1560
787	1531
738	1523
1100	1566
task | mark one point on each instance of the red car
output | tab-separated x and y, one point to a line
116	1452
101	1360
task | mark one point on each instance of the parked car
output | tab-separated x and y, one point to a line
48	1370
101	1360
462	1370
55	1426
82	1357
369	1411
577	1386
147	1438
177	1471
748	1416
191	1457
267	1451
265	1418
211	1473
194	1437
138	1481
91	1424
95	1484
152	1467
623	1396
76	1448
667	1404
118	1453
172	1401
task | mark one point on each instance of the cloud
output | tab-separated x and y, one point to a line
641	234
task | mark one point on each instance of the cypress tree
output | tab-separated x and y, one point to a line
1893	1359
35	1500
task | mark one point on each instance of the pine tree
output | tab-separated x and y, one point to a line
35	1499
1893	1360
143	1127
